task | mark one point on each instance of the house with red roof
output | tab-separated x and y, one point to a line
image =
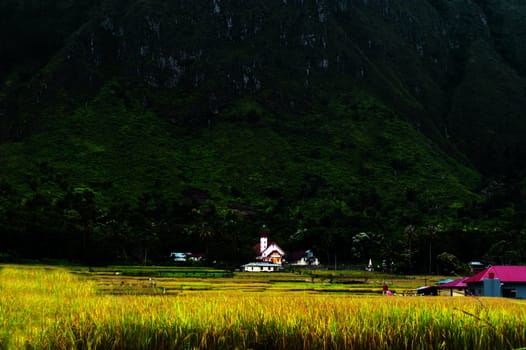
499	281
453	288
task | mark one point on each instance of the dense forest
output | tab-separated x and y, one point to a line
391	130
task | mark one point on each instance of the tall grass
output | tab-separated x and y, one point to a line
51	309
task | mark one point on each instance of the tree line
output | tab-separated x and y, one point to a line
72	224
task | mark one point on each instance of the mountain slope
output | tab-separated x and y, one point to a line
336	116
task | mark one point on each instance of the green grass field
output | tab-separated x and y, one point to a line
58	308
176	279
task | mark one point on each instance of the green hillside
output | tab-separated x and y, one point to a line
136	128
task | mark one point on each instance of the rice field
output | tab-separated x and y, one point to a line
52	308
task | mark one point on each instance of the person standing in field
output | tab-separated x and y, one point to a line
385	289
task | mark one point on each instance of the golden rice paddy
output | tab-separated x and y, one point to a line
52	308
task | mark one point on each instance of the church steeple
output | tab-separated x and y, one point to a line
263	242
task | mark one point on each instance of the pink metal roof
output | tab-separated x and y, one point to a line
506	273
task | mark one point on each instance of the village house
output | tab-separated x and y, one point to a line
178	256
499	281
454	287
303	258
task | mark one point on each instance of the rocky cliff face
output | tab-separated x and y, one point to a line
456	68
148	124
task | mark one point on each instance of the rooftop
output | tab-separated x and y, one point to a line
262	264
506	273
458	283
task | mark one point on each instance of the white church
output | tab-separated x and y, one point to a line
269	256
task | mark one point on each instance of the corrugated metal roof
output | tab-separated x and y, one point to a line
458	283
506	273
447	280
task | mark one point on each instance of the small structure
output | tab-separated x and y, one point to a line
178	256
183	257
269	252
427	290
370	266
261	267
304	258
195	256
454	287
496	281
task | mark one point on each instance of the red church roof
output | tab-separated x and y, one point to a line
506	273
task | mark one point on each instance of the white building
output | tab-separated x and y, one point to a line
178	256
260	267
271	253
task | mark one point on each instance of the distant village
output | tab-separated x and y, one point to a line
493	281
269	257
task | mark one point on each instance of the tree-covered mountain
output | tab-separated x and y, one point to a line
381	128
